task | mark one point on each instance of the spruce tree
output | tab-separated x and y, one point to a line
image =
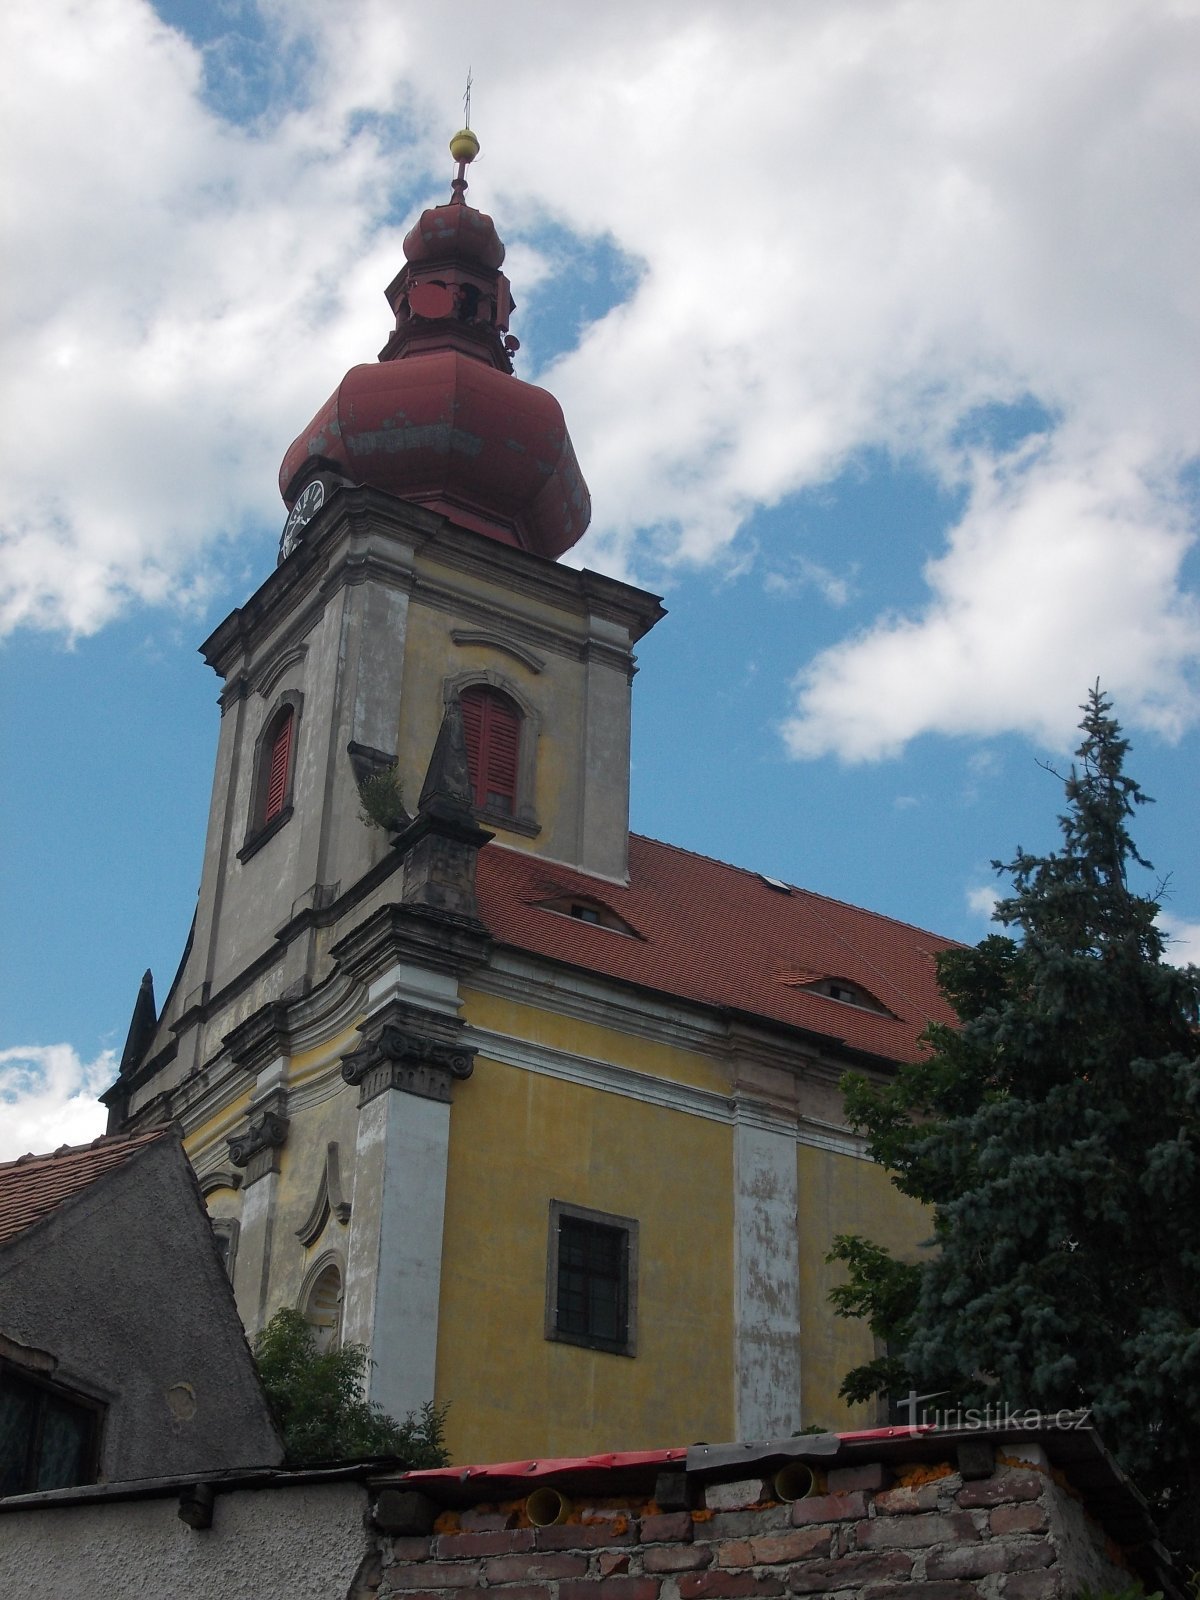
1056	1136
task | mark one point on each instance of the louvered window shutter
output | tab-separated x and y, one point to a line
492	726
472	715
277	773
504	732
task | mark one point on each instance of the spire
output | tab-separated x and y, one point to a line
446	791
464	147
442	842
141	1025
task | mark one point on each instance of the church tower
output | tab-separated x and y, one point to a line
545	1116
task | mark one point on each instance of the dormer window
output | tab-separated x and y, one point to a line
847	993
492	725
582	909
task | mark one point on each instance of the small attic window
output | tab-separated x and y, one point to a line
847	994
582	909
776	883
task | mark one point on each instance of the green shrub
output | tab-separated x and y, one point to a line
382	805
316	1397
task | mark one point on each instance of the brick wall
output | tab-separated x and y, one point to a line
922	1533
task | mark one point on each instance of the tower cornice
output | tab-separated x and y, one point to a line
363	533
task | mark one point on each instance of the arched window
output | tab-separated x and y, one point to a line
492	725
274	772
322	1307
279	765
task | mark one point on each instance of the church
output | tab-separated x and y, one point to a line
544	1113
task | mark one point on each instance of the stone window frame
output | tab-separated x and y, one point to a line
524	820
326	1260
628	1227
259	831
227	1230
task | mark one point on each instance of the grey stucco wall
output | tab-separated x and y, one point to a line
305	1542
123	1286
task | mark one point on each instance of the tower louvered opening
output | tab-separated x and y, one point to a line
492	725
279	767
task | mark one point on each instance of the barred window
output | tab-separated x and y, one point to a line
591	1279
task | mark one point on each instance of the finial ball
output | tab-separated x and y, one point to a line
464	146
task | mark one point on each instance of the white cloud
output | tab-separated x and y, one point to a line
801	574
982	900
49	1098
1064	569
1183	940
855	223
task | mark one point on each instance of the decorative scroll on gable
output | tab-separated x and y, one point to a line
329	1200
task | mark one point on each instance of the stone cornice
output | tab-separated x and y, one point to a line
435	940
261	1039
739	1038
353	544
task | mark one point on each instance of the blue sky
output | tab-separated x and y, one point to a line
875	333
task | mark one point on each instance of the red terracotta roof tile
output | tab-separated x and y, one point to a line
34	1186
723	937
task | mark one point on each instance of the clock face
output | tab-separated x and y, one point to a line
305	509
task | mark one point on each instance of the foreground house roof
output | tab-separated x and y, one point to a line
34	1186
722	936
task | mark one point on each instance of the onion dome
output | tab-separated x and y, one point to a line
440	419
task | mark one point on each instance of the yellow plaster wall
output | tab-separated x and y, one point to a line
519	1140
594	1041
839	1194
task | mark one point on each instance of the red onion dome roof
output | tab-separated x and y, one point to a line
454	232
451	433
441	420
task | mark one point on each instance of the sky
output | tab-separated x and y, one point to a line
875	327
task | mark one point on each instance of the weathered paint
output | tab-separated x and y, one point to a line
396	1245
443	429
736	1213
767	1352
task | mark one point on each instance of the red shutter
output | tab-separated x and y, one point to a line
503	737
472	715
492	726
277	774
